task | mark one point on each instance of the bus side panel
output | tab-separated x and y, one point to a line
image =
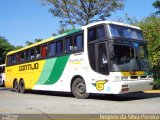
64	69
51	73
29	72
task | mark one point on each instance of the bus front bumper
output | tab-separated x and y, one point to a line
121	87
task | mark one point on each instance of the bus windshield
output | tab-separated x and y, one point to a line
125	32
130	58
124	58
143	55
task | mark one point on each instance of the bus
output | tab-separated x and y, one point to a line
104	57
2	75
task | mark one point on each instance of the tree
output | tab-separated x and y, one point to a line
127	19
62	29
35	41
156	4
82	12
5	47
151	31
18	47
29	43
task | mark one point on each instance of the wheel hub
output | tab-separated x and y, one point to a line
81	88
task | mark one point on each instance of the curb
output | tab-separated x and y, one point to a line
152	91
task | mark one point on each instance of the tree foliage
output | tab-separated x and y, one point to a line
18	47
5	47
82	12
62	29
151	30
35	41
156	4
127	19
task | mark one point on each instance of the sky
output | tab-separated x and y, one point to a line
27	20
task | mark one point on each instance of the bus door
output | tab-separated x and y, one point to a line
102	58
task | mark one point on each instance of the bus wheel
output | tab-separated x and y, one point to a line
79	89
16	86
3	83
22	87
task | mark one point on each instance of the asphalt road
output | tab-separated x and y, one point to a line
38	102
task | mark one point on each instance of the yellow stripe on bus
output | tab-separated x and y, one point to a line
30	72
134	73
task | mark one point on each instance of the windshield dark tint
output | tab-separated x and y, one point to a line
123	59
125	32
96	33
143	54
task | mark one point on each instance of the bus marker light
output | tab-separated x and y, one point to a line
124	89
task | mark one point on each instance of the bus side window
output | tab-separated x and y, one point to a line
78	42
91	34
69	44
96	33
13	59
32	54
52	49
22	57
100	32
1	70
4	69
44	51
18	57
9	62
38	54
59	47
28	55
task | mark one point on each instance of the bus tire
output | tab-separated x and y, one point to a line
16	86
79	89
22	86
3	83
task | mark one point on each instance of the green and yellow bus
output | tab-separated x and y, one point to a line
104	57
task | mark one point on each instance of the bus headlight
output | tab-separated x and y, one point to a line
124	78
117	78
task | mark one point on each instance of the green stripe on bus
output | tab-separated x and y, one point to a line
67	33
57	70
47	69
73	31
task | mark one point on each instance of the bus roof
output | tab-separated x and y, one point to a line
71	32
112	22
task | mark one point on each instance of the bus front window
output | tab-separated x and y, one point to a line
123	59
125	32
143	54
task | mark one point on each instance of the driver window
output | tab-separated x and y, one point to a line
102	59
96	33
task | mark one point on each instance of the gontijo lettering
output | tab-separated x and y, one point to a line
29	67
